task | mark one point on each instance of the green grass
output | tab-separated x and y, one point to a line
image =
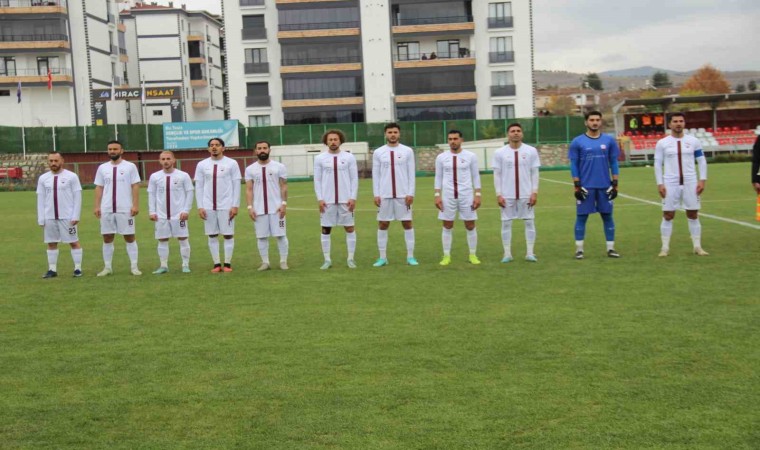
663	353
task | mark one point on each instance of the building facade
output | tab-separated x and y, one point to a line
316	61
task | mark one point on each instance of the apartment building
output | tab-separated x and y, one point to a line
316	61
177	53
75	44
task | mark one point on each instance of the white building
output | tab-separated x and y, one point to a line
309	61
179	49
77	41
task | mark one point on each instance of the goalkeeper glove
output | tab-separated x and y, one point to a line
580	192
612	191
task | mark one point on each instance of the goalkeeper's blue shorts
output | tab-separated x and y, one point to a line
596	201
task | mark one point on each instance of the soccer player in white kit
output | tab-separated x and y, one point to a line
336	183
117	189
170	198
515	177
266	194
457	190
393	183
679	186
217	192
59	206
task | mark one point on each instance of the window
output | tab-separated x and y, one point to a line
326	87
436	82
501	50
158	112
319	53
259	121
257	94
504	111
318	18
255	55
47	62
5	93
210	60
182	25
408	51
505	78
8	66
500	15
250	22
447	49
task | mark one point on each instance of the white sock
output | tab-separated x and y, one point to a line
610	245
530	235
382	243
52	260
213	247
446	239
163	253
76	256
282	246
666	230
695	229
184	251
107	254
326	246
229	248
472	240
409	239
263	244
506	237
132	253
351	244
578	246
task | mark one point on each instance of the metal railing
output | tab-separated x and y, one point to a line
252	101
312	95
318	25
114	49
433	89
501	22
122	51
117	81
33	37
262	67
431	20
191	32
251	2
321	60
196	54
31	3
33	72
111	18
462	53
200	99
503	90
500	57
198	77
254	33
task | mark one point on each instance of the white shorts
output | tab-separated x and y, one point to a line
173	228
117	223
463	205
677	196
517	209
60	230
335	215
393	209
219	222
267	225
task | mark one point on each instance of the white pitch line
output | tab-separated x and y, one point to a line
643	200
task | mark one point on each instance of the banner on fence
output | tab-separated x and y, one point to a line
182	135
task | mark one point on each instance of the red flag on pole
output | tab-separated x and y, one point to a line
50	79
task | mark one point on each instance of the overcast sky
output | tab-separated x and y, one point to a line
599	35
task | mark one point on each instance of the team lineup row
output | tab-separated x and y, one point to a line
593	160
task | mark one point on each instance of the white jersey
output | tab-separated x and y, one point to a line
59	197
170	194
217	184
393	171
456	174
336	177
515	180
267	196
117	196
679	156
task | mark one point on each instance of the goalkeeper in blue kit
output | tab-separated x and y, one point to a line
594	167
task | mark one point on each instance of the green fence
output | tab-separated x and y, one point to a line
537	130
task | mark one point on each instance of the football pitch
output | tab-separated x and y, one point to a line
639	352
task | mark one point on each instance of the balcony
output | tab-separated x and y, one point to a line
35	76
317	26
331	102
320	60
32	6
437	97
200	102
194	35
199	81
431	89
254	33
251	2
34	41
257	101
114	49
250	68
501	22
501	57
313	95
507	90
400	22
464	57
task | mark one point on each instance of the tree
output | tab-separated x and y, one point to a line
661	80
593	81
740	88
752	85
708	80
561	105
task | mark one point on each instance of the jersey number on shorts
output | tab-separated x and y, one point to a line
182	224
282	224
72	231
131	222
